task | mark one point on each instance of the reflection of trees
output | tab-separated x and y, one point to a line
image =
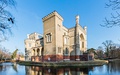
4	67
79	71
114	66
15	67
1	68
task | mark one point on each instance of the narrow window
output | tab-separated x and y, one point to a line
65	40
49	37
82	44
59	50
66	51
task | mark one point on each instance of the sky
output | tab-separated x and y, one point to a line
29	13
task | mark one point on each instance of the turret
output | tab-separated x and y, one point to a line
77	39
77	20
85	28
28	36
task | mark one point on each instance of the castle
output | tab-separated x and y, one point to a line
57	43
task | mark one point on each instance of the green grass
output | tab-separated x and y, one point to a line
64	64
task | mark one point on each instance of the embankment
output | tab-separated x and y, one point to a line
64	64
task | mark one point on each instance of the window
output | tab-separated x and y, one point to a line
64	33
49	37
82	44
59	49
66	51
65	40
39	36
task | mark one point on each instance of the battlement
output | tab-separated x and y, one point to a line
54	13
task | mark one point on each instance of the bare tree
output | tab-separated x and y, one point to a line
108	45
115	17
100	52
4	53
6	18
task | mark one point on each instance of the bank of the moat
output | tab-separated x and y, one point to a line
64	64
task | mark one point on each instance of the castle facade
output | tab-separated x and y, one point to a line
57	43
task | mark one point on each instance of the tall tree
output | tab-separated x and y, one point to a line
115	17
14	54
100	52
6	18
108	45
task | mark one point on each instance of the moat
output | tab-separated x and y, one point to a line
113	68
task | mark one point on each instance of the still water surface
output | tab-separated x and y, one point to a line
109	69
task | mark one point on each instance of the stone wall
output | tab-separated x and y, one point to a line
61	58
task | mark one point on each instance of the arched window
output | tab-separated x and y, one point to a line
38	52
33	52
82	40
82	44
81	37
66	51
42	52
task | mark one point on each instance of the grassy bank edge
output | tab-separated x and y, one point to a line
64	64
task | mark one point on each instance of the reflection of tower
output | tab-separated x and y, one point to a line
28	70
77	44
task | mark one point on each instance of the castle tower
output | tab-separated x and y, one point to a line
77	39
52	24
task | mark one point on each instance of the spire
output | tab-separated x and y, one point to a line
77	20
85	28
28	36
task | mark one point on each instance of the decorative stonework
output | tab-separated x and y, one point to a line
51	48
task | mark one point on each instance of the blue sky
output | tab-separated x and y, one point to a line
29	14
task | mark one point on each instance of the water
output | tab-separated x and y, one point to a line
15	69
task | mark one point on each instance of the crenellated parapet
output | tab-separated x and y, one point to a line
54	13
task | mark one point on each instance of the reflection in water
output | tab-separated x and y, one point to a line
11	69
112	68
15	67
35	70
5	66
